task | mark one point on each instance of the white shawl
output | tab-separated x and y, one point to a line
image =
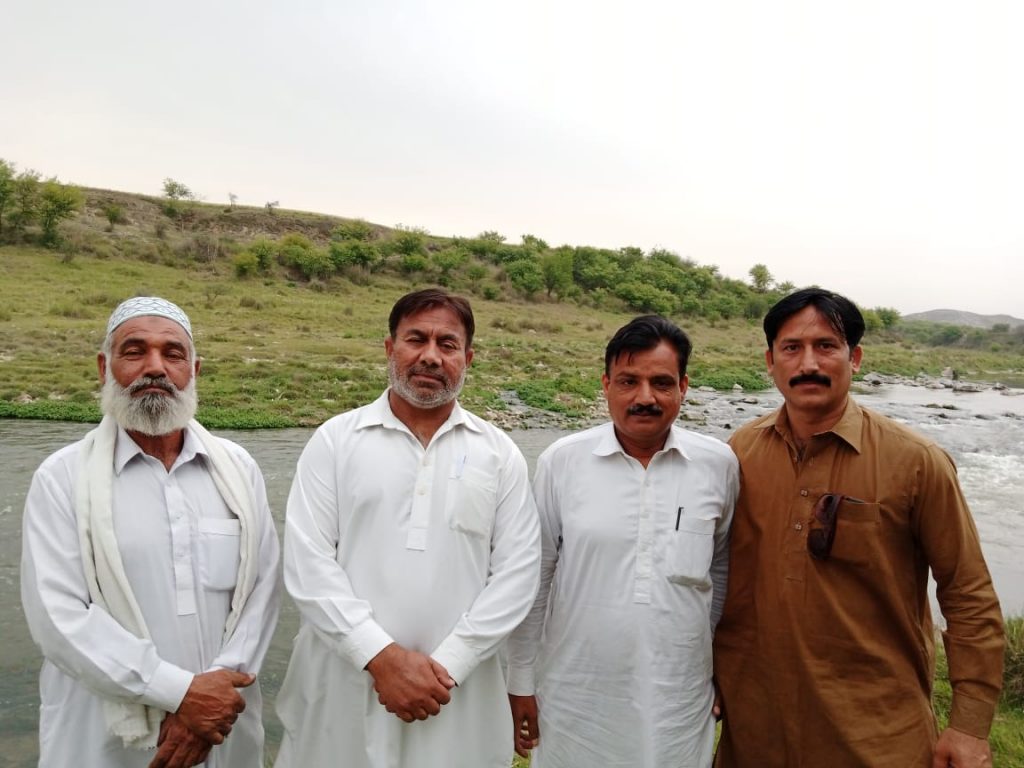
136	724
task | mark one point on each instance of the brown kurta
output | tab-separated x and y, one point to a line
829	663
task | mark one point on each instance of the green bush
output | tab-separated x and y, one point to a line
413	262
246	264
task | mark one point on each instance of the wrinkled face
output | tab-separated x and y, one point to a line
644	394
428	357
149	376
812	365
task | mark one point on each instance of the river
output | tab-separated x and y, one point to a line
983	431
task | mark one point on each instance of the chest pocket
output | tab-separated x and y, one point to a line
219	542
858	526
471	501
690	551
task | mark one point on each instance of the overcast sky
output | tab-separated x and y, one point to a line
874	148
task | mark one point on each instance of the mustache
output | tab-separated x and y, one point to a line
811	378
644	410
148	382
433	372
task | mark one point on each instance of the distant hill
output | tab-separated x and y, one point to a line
968	319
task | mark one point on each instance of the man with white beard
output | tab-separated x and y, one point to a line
149	569
412	549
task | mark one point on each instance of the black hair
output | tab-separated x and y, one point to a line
646	332
841	313
431	298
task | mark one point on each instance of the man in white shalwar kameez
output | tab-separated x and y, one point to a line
412	550
612	667
149	570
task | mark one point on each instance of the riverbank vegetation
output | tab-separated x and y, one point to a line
290	308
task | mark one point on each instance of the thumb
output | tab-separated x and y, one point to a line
442	675
240	679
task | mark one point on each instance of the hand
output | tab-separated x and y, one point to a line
956	749
716	705
409	684
525	730
211	704
177	746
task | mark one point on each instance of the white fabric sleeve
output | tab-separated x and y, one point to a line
316	582
246	648
719	570
76	635
524	643
511	582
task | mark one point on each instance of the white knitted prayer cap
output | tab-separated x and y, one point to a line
148	306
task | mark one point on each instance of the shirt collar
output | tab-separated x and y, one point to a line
848	428
379	414
126	449
609	444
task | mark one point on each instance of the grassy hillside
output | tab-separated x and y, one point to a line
290	311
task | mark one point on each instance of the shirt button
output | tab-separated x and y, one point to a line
803	492
799	526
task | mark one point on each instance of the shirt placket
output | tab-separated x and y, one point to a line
419	515
644	545
181	547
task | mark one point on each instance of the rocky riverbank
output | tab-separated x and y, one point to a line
718	412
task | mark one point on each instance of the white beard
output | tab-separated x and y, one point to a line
423	398
149	414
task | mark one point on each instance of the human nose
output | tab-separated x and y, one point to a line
153	363
430	354
645	393
808	360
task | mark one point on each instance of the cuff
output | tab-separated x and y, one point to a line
363	643
457	657
972	716
167	687
521	681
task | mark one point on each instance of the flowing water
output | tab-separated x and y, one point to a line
983	431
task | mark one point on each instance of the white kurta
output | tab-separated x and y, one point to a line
180	547
617	647
434	548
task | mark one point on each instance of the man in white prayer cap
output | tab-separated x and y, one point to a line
149	569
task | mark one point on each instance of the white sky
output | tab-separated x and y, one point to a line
874	148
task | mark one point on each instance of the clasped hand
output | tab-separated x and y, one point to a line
409	684
204	718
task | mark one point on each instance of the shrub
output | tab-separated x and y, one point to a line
114	214
246	264
264	250
353	229
413	262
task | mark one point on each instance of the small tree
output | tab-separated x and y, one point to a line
232	199
6	189
56	203
176	194
270	205
889	316
526	275
25	200
761	278
556	266
175	190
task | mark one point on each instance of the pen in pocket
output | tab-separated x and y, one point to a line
679	514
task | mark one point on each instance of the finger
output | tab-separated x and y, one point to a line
441	696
